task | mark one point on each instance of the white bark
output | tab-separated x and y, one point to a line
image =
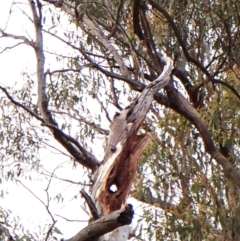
97	32
73	147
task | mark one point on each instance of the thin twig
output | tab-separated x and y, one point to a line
67	180
50	230
21	105
11	47
104	109
25	40
46	207
72	220
69	138
217	81
82	119
35	197
116	21
53	147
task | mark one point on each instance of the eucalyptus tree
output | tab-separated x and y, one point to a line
169	70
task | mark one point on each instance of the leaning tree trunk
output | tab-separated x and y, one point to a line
123	153
111	215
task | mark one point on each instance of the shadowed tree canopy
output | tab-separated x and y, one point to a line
155	82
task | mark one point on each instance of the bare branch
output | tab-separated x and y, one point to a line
63	138
47	207
116	21
72	220
105	224
136	85
82	119
50	230
48	199
66	180
23	38
97	32
115	98
104	109
229	86
11	47
91	205
53	147
64	70
86	159
72	140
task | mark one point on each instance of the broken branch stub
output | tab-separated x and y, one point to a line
105	225
125	147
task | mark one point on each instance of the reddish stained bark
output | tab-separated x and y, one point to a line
123	173
125	147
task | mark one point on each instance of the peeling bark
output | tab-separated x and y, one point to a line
124	150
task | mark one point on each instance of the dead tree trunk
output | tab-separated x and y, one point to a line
123	153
